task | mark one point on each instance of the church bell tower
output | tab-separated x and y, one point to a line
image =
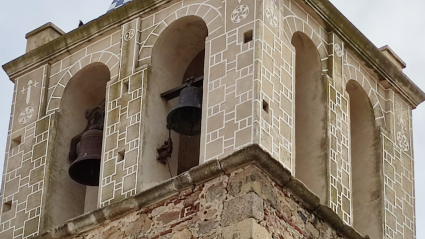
130	103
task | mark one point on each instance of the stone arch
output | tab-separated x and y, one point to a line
310	117
352	73
86	90
294	24
107	58
178	53
366	165
211	16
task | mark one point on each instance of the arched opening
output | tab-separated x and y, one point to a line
365	164
67	198
310	117
178	54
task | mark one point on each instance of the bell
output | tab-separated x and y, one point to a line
86	149
185	118
85	169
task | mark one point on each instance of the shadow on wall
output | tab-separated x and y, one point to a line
179	53
310	117
311	137
367	184
66	198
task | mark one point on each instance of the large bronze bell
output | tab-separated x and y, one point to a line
86	149
185	118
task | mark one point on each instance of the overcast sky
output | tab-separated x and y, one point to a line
399	24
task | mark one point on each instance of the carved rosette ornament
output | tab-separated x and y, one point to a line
239	13
129	35
338	50
25	115
270	13
402	140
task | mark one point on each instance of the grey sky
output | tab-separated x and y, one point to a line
396	23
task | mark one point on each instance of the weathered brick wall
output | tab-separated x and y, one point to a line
242	204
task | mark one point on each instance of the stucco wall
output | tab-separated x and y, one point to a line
238	77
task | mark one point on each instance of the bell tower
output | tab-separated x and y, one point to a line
152	100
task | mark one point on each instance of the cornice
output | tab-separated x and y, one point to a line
367	51
337	23
67	42
251	155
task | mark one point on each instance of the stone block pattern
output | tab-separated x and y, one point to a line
339	142
245	204
229	96
24	180
393	115
106	50
280	20
228	79
398	174
153	25
275	79
25	164
122	138
239	77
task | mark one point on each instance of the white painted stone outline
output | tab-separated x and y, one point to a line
29	131
353	73
153	36
289	21
321	45
336	155
389	185
60	86
111	154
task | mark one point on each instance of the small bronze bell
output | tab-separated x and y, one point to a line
185	118
86	149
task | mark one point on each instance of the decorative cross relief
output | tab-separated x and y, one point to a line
402	122
240	13
28	90
27	113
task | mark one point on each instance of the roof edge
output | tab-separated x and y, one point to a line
393	54
41	55
326	10
368	51
41	28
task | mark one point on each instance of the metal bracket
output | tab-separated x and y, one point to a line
175	92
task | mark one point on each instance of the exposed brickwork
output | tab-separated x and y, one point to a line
243	204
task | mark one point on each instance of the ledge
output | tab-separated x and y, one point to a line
393	55
47	25
212	169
